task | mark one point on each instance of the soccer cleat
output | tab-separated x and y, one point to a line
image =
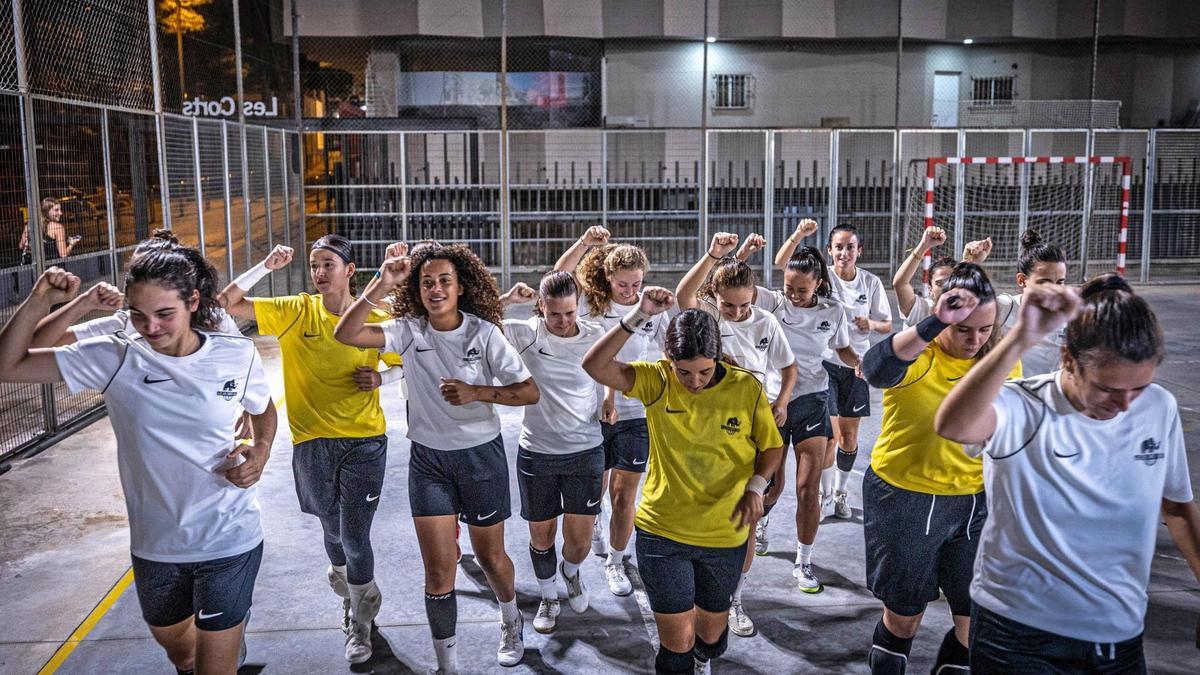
840	508
577	593
599	546
546	618
760	535
618	583
739	623
512	642
806	580
358	642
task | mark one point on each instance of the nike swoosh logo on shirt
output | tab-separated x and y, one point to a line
543	352
1075	454
592	503
810	428
147	380
429	349
372	499
675	411
311	335
485	517
201	615
860	407
954	379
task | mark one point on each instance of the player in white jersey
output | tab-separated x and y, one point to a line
724	287
610	278
1080	466
866	304
1041	263
173	391
447	330
560	464
915	308
813	322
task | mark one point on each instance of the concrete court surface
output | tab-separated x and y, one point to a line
65	544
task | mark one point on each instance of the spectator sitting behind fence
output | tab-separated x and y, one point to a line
55	242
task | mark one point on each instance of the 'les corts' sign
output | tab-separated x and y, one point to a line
226	106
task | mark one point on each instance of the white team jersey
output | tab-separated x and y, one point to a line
862	296
566	418
810	332
1073	509
644	345
757	344
172	442
1040	359
476	353
922	309
119	320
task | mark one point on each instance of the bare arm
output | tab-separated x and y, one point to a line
902	280
59	235
753	244
601	360
569	260
18	362
803	229
262	430
233	297
352	329
848	356
55	329
1183	522
685	292
457	392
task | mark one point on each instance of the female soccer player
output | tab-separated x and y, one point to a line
1081	464
923	503
339	445
750	336
713	443
914	308
610	276
1041	264
861	293
173	391
447	330
560	465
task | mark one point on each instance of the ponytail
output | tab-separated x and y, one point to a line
808	260
1115	322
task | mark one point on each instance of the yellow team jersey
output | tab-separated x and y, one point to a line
908	453
702	451
318	371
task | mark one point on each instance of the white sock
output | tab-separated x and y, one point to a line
509	611
737	593
803	553
570	569
827	480
549	588
615	555
447	654
839	483
340	570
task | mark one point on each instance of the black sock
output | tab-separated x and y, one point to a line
952	652
706	651
845	460
545	563
889	654
442	612
185	672
668	661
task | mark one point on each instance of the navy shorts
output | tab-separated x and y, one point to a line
1001	645
217	592
471	483
918	544
626	445
849	394
333	474
552	485
679	576
807	417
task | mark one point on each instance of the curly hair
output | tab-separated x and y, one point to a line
601	261
480	295
729	273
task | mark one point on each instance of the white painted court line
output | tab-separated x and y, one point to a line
643	601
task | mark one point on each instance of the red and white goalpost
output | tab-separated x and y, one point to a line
1080	203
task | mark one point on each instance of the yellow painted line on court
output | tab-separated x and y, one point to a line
81	631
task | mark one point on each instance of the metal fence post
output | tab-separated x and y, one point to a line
199	184
1023	179
604	178
894	244
1087	205
768	207
298	104
505	224
164	190
266	148
108	194
835	137
1148	178
404	235
241	118
287	202
228	200
960	206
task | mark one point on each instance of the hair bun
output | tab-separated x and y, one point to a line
1105	282
1029	239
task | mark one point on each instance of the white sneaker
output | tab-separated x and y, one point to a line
599	546
512	642
760	535
739	623
577	592
701	667
346	616
826	501
547	613
358	642
618	583
806	580
840	508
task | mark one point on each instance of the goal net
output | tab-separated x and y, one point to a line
1080	203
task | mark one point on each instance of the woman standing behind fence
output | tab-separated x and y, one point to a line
55	242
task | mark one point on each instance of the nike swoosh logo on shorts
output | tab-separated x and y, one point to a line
856	409
810	428
487	516
372	499
201	615
592	503
637	462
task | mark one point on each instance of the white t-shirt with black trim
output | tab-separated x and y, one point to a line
810	332
476	353
922	309
861	296
172	444
1073	509
566	418
757	344
644	345
119	320
1043	357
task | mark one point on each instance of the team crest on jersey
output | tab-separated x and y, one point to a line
762	344
861	299
228	390
1149	454
732	426
824	326
472	356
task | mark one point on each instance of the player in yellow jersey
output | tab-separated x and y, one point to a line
923	502
713	443
339	445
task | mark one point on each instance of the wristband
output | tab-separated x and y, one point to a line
634	320
393	374
250	278
757	484
930	327
718	259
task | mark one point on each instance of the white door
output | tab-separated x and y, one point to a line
945	99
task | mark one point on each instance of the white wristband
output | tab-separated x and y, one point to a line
635	319
757	484
250	278
393	374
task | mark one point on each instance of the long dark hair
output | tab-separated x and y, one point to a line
691	334
1115	322
559	284
808	260
184	270
973	278
1034	251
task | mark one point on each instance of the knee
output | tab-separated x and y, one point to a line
848	440
621	496
439	579
491	560
900	625
806	495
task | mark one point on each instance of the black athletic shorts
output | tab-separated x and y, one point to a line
849	394
679	576
552	485
807	417
470	483
1001	645
333	474
218	592
918	544
626	445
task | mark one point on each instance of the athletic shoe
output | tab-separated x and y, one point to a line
739	623
806	580
547	613
599	546
826	501
577	592
701	667
881	660
840	508
346	616
618	583
457	548
358	642
512	642
760	535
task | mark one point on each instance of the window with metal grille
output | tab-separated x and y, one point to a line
993	90
731	92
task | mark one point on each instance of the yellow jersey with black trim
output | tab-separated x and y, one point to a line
703	449
318	371
908	453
